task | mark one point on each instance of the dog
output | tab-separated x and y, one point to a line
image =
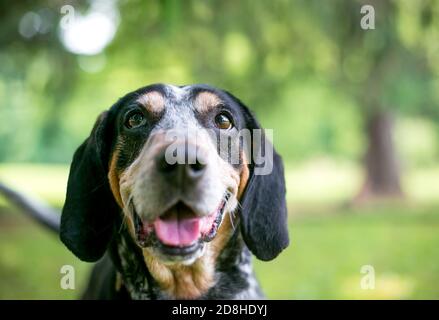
163	229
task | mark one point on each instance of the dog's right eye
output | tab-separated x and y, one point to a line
134	120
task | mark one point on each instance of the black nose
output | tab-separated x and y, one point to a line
191	164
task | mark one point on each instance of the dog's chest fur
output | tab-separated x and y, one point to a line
234	276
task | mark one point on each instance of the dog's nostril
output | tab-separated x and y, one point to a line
195	170
191	167
197	166
165	166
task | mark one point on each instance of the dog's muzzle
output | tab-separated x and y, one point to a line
181	231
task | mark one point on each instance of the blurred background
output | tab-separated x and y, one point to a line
355	115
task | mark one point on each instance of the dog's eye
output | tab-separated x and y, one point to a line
223	121
135	120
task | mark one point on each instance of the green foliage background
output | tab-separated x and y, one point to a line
305	67
308	71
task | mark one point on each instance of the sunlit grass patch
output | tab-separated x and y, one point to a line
387	286
321	181
328	182
422	185
46	181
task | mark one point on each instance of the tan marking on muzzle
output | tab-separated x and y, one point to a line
113	177
118	282
244	175
153	101
206	101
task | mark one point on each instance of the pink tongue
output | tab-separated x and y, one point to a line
178	227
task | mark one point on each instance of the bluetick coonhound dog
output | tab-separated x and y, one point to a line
163	229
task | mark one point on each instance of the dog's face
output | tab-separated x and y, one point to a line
169	173
172	161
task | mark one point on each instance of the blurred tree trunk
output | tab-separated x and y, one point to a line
381	162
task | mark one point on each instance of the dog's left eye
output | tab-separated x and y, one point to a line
223	121
135	120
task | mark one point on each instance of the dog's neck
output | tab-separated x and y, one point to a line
146	278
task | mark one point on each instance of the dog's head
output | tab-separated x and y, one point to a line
175	163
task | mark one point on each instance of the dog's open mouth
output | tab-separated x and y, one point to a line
179	231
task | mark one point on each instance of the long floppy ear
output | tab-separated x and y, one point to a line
89	212
264	211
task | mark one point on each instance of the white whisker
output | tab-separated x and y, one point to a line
127	210
232	215
124	221
231	219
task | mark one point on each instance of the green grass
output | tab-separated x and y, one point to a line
329	243
326	255
31	259
322	262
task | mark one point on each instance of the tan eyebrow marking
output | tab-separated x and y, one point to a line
206	100
153	101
